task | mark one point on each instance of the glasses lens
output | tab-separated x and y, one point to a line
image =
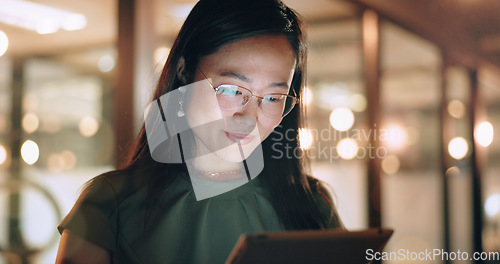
277	105
232	97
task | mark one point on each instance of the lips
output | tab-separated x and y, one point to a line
240	137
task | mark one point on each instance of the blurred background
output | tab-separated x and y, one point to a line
403	112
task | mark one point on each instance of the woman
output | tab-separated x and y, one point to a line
251	56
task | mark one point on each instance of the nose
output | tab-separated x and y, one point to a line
247	116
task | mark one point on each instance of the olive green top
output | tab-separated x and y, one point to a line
111	213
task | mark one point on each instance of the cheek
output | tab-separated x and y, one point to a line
266	126
200	111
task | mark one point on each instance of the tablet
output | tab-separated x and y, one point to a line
327	246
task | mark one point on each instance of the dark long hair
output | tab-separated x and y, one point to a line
210	25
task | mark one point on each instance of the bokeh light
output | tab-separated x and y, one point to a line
65	160
4	43
395	136
106	63
347	148
390	164
456	108
458	148
342	119
484	134
3	154
492	205
30	122
30	152
88	126
452	171
357	102
308	96
305	137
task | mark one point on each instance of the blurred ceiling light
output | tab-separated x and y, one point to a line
106	63
342	119
74	22
161	55
458	148
40	18
47	26
357	102
395	136
88	126
390	164
456	108
4	42
3	154
492	205
30	122
30	152
484	134
347	148
305	137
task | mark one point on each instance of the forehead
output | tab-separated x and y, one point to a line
271	44
255	57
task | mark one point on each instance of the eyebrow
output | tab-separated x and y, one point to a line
249	80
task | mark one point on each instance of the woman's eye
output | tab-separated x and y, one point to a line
274	98
230	91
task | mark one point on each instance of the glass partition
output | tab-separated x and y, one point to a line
410	102
336	102
56	105
488	137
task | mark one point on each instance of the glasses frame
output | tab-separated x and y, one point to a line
259	98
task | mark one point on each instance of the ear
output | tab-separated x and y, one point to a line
181	71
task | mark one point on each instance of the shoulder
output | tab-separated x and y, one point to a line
115	186
104	188
94	217
101	196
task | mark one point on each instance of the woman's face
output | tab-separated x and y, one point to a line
262	64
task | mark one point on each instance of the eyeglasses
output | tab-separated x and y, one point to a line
233	97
